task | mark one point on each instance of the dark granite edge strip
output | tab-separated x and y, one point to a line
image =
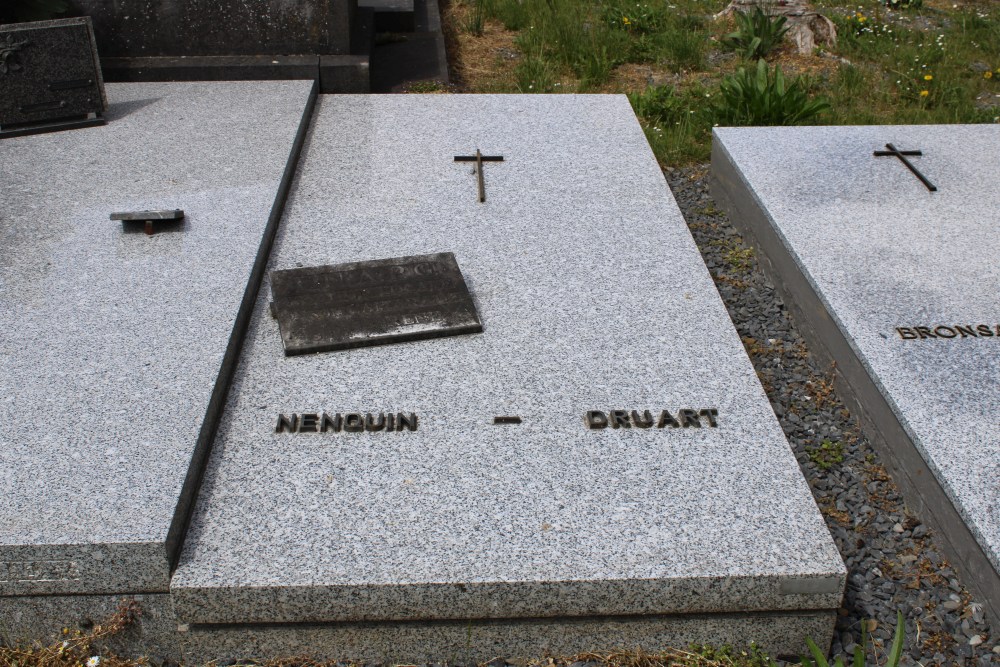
210	424
51	126
209	68
921	489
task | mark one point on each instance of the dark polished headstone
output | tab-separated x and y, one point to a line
49	73
371	303
173	28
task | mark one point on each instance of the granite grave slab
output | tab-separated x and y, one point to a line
885	242
50	76
599	467
119	345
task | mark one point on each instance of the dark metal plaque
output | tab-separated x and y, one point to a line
358	304
49	71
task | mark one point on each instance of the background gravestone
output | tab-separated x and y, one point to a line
49	71
132	28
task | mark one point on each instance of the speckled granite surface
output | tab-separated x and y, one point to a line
885	256
593	296
115	339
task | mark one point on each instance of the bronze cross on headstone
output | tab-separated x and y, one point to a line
479	159
909	165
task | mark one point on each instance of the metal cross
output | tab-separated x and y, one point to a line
909	165
479	159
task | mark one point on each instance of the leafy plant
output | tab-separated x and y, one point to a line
892	660
762	97
18	11
757	34
827	454
904	4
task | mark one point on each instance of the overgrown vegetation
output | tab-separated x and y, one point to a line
758	35
763	97
895	62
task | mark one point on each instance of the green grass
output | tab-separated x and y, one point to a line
937	63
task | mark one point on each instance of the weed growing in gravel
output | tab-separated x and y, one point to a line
892	659
827	454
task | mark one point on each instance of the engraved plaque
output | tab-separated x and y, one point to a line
372	303
49	71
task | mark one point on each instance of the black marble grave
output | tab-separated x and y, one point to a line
372	303
50	77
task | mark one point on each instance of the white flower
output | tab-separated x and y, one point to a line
94	661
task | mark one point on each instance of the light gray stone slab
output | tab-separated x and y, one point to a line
863	248
592	296
117	343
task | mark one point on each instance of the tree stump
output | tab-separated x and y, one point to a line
806	27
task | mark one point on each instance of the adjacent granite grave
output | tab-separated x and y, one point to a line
894	275
598	468
119	345
50	77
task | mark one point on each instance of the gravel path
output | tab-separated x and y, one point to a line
893	560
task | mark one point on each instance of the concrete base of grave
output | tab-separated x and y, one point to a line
39	620
478	641
155	635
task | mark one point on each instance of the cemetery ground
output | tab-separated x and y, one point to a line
939	63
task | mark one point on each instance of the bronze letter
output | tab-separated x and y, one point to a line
308	422
596	419
690	418
354	423
372	425
287	423
408	421
667	419
645	422
965	331
326	423
619	418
